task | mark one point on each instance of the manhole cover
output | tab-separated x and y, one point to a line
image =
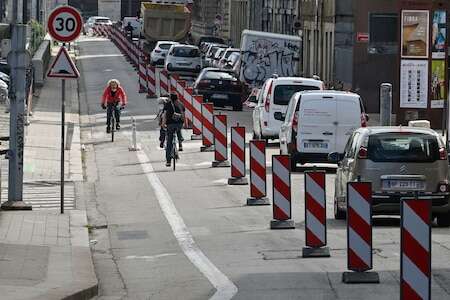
132	235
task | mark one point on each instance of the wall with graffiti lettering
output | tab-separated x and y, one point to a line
264	56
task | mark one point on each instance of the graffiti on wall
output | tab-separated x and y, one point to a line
264	57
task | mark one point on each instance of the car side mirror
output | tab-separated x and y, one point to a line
335	157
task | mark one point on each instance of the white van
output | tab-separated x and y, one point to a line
318	123
273	100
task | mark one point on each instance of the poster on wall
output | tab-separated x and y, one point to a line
439	34
414	83
415	33
438	83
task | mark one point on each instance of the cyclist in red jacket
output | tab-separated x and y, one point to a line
112	96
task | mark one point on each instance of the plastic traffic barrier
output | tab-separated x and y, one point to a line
238	170
281	185
359	234
315	215
258	174
207	127
220	142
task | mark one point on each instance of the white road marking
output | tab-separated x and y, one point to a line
149	258
224	286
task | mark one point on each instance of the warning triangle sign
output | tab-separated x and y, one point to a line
63	66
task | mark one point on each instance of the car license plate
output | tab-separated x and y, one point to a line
220	96
403	185
315	145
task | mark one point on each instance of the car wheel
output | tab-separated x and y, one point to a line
443	220
338	213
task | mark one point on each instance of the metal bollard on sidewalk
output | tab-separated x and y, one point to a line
134	146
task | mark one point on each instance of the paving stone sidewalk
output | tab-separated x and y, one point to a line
44	254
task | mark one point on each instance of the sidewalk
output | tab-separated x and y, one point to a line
43	254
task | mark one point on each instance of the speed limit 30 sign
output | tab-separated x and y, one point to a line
64	24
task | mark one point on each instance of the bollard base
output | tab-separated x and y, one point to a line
237	181
195	137
257	201
315	252
360	277
16	205
151	96
220	164
132	149
287	224
207	148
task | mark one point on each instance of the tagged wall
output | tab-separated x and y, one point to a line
264	56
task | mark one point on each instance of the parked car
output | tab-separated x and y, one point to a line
183	58
223	61
89	24
103	21
318	123
220	87
158	55
397	161
273	100
232	61
215	59
211	52
3	92
210	39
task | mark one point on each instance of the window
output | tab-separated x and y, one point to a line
186	52
283	93
352	145
403	147
165	46
219	75
383	37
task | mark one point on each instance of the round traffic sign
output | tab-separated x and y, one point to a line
64	24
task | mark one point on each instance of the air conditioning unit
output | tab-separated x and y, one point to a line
5	47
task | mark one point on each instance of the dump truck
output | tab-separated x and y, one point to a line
165	22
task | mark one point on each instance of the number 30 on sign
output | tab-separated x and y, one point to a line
64	24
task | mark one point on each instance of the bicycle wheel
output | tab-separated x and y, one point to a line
113	127
174	152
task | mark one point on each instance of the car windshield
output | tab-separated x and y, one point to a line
186	52
218	75
283	93
403	147
228	53
165	46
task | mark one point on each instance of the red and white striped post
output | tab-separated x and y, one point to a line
164	83
197	102
220	142
359	234
207	127
281	184
415	261
315	215
142	74
238	169
187	94
258	174
151	81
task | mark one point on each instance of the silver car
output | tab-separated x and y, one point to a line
398	161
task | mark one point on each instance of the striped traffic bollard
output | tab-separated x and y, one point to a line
220	142
415	260
151	82
315	215
238	168
164	83
359	234
258	174
197	102
186	98
142	75
207	127
281	184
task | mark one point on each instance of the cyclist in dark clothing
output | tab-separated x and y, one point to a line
173	120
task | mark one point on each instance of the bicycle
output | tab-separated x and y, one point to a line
113	121
174	153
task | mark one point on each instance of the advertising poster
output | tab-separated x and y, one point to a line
414	83
439	34
415	33
438	83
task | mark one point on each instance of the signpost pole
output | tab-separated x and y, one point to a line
63	121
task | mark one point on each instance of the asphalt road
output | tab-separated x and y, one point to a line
159	234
